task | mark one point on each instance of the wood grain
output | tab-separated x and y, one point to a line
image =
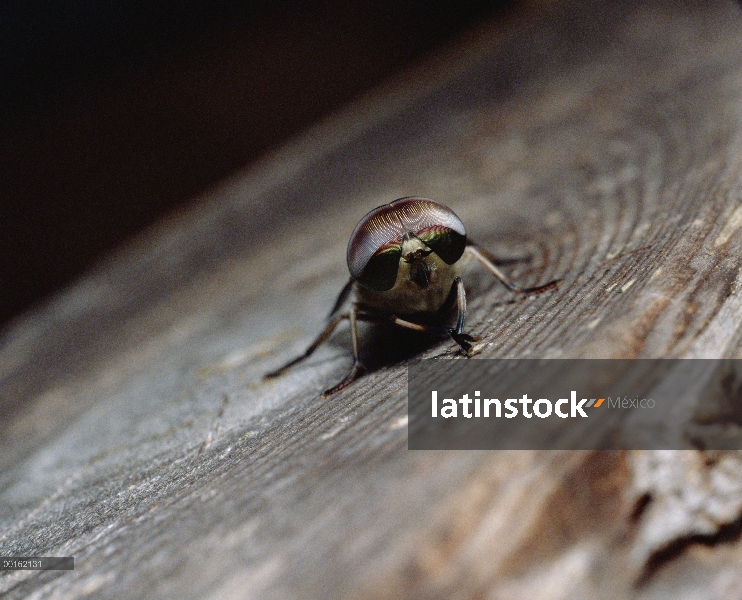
602	139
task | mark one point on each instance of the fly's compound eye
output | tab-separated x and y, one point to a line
447	243
380	272
375	246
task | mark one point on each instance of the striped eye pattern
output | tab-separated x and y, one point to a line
375	246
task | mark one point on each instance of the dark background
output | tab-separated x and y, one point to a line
113	113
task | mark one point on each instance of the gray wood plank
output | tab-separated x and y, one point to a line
138	435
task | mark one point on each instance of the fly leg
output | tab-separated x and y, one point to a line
334	320
488	262
461	338
358	367
322	337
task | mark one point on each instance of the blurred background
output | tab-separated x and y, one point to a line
115	112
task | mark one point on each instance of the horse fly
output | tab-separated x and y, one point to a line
405	260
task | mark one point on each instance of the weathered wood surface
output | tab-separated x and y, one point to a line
604	139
